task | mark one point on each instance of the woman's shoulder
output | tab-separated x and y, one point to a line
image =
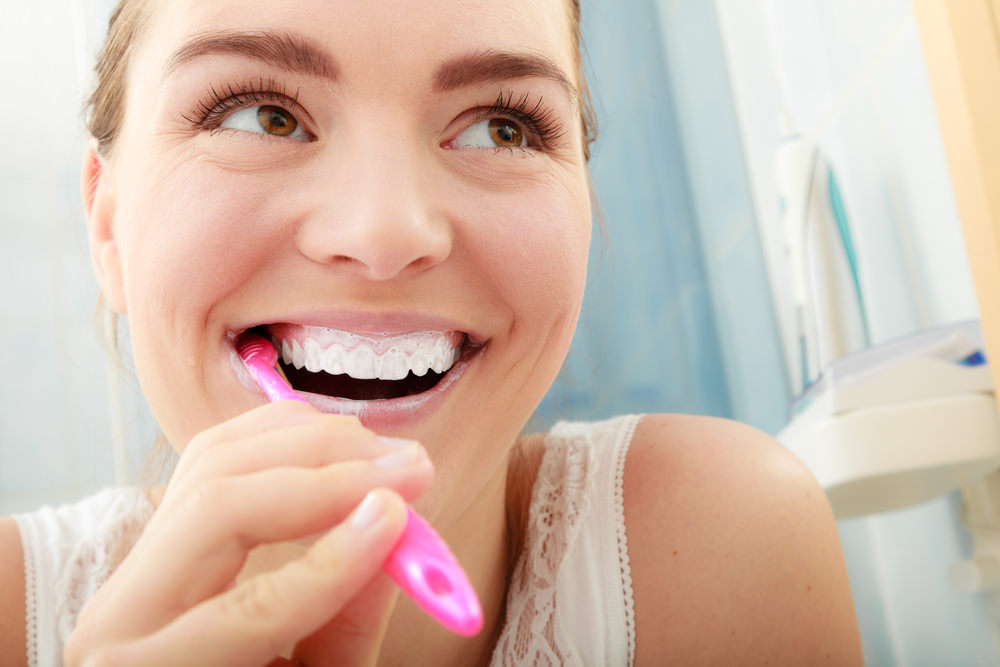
12	600
734	550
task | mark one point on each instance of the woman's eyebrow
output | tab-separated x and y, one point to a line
284	50
488	66
294	53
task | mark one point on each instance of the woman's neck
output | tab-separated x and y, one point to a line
487	540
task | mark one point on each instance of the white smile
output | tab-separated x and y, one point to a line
327	363
368	357
390	379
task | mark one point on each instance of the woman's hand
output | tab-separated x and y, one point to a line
277	473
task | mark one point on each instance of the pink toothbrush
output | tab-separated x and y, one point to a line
421	563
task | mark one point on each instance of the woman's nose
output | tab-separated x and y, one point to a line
376	219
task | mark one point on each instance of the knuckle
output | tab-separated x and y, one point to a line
209	462
201	443
321	561
339	475
344	484
258	602
210	497
314	432
253	601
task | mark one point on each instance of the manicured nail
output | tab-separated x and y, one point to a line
368	512
401	458
395	443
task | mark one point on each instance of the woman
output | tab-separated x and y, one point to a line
398	196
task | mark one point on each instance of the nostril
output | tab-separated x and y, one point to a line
376	248
388	265
421	263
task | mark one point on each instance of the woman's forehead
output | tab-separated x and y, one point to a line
345	36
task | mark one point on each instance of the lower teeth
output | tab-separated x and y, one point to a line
344	386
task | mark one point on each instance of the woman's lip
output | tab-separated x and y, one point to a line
384	414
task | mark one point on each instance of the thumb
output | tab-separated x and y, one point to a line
354	636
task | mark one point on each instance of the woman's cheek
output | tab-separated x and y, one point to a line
542	246
207	231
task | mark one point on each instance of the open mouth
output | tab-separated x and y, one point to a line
356	367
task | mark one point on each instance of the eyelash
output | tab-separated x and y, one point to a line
538	120
211	110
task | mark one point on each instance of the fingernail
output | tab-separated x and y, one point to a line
395	443
401	458
368	512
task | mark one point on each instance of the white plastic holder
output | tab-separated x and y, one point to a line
899	424
893	456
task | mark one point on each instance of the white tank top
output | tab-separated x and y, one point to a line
570	599
68	553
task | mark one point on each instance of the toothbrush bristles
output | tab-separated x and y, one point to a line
251	346
281	372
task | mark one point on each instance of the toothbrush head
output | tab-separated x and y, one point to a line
260	358
254	348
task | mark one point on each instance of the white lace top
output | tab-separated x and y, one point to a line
68	553
570	601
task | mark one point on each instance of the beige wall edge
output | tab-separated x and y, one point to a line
961	43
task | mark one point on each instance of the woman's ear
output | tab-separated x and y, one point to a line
99	207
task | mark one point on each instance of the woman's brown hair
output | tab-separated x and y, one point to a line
104	110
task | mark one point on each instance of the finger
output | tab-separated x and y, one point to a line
201	543
260	420
354	636
264	616
313	444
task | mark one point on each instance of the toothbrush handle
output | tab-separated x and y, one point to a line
272	384
425	569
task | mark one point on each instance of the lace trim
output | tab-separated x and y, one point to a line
91	561
559	502
624	564
30	605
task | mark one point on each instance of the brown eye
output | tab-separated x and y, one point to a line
505	134
275	120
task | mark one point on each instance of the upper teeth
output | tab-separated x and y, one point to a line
361	361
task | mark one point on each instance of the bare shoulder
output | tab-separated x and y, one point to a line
12	621
734	550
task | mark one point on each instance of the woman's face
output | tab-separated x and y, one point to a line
387	185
